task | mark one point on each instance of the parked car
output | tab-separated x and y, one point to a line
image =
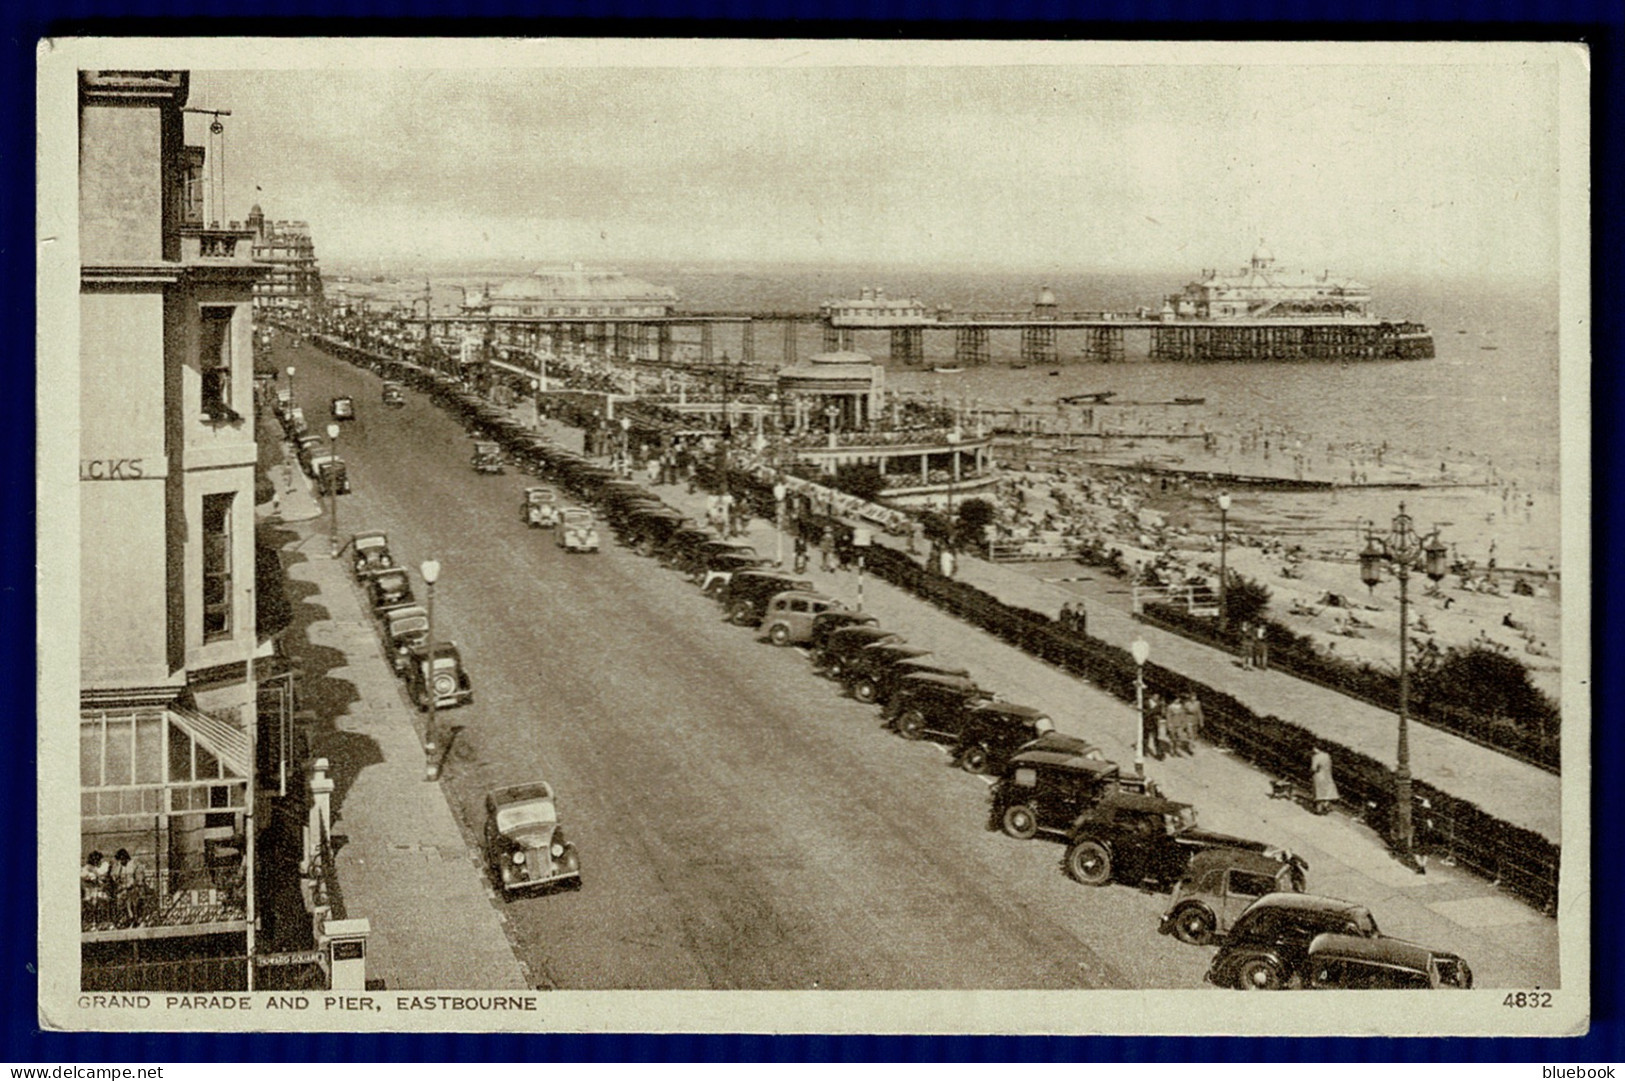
927	702
487	457
1217	888
525	846
868	666
841	643
369	552
447	680
576	531
389	589
405	629
304	448
1351	963
1046	784
717	568
681	545
343	408
745	596
645	531
540	507
892	676
827	623
1268	947
332	475
1138	838
789	616
394	395
990	732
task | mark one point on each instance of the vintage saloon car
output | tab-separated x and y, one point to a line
789	616
332	475
718	566
1138	838
525	846
394	395
840	644
1268	948
827	623
389	589
1048	783
981	731
447	680
745	596
540	507
487	457
1218	888
405	629
576	531
305	448
370	553
866	667
343	408
1351	963
893	675
928	694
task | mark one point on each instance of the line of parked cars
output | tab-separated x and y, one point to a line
432	671
1246	897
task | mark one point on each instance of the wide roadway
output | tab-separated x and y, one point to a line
740	824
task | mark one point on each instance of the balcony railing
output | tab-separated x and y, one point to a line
215	245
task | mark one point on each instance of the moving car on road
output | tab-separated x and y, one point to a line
525	846
789	616
540	507
1138	838
405	629
1048	783
577	533
487	457
441	675
1269	946
343	408
394	394
1218	888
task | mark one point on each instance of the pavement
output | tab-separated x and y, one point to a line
401	860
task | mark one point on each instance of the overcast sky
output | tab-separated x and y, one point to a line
1368	169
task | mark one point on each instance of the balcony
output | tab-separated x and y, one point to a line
215	246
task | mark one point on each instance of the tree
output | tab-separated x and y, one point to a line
1245	599
1490	683
975	515
862	479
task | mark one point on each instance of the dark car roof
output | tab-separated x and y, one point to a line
845	618
1241	859
857	633
1135	801
1059	759
1380	950
441	649
894	651
518	793
1011	709
1305	902
932	679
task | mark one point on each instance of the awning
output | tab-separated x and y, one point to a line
224	740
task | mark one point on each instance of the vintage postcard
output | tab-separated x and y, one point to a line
812	536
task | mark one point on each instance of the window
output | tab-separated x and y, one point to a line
214	363
217	566
1248	884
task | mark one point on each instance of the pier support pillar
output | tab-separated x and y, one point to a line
1105	344
908	345
664	348
747	342
789	342
706	343
1038	345
970	345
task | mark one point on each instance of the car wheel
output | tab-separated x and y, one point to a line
864	690
911	724
779	635
1258	974
1194	925
741	612
973	759
1089	862
1021	822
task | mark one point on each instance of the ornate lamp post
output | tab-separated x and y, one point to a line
430	569
1224	577
779	492
1141	649
1405	550
333	492
292	401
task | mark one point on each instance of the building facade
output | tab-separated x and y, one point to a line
293	282
169	636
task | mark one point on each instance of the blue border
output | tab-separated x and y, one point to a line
1598	23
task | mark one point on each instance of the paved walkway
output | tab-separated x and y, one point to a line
402	862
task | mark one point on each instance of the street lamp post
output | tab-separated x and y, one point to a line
779	492
1224	577
333	492
431	735
1405	550
292	401
1141	650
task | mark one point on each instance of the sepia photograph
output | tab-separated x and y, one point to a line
814	536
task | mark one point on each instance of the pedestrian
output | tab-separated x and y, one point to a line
1156	726
826	549
801	552
1173	725
1247	647
1261	654
1193	720
1066	616
726	511
1320	769
129	887
1080	618
95	887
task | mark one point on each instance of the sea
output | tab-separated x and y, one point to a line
1485	411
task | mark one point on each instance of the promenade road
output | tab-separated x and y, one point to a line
743	825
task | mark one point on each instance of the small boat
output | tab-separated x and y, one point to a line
1096	398
1056	371
947	371
1190	401
1489	347
1018	367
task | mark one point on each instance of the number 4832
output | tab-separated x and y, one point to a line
1528	1000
